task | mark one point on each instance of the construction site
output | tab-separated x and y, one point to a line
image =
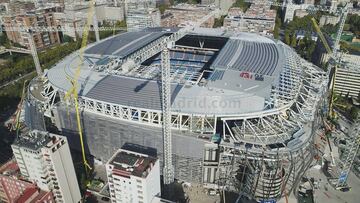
222	110
242	105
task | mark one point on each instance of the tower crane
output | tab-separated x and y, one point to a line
351	151
73	92
163	46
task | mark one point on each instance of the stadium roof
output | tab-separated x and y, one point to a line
246	68
124	44
249	53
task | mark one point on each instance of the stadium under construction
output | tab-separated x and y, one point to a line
242	114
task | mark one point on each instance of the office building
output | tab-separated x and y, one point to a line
133	177
45	159
347	77
258	19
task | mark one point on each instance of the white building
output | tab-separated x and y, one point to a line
45	159
257	19
141	14
347	77
133	177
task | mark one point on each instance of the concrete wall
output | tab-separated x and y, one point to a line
104	136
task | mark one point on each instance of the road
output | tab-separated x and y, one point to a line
17	79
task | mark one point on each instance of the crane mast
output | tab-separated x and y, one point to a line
168	170
34	53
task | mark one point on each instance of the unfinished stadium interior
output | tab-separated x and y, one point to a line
242	109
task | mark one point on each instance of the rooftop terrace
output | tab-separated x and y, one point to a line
34	140
133	163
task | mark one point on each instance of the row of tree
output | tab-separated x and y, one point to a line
305	47
13	69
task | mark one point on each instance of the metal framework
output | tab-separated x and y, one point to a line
350	155
168	170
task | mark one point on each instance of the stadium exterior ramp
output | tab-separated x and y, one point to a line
243	105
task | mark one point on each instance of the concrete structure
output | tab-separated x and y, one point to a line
291	8
258	19
239	102
301	13
141	14
325	19
133	177
347	77
40	17
45	159
15	189
74	16
183	14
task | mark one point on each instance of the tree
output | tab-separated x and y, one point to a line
219	22
162	8
277	28
241	4
293	41
287	38
354	111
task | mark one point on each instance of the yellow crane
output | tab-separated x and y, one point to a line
330	52
73	91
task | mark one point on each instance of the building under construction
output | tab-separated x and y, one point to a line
242	109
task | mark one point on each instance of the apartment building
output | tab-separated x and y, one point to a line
45	159
35	18
183	14
347	76
258	18
141	14
14	189
133	177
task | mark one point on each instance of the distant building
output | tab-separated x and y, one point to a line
347	76
15	189
45	159
35	18
141	14
300	34
133	177
301	13
257	19
291	8
325	19
183	14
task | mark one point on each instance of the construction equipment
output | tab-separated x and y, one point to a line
73	92
168	171
334	56
34	53
351	153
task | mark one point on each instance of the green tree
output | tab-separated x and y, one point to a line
219	22
277	28
354	111
293	41
241	4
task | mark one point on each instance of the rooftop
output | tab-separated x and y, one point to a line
10	168
241	69
34	140
132	163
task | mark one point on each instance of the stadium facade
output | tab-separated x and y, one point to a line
243	105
